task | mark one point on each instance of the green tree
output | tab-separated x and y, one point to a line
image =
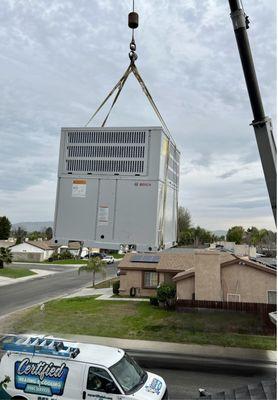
35	235
6	256
5	228
184	219
251	236
186	237
268	244
261	236
94	265
49	233
235	234
20	234
201	236
184	224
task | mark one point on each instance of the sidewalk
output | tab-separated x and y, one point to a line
4	281
182	350
103	294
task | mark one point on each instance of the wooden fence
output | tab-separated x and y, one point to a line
261	309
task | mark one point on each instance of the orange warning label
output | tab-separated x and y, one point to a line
79	181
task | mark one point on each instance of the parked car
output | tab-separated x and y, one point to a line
90	255
41	367
108	259
104	257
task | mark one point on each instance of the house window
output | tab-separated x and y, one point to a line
150	279
233	297
271	297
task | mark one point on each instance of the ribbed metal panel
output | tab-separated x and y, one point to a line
106	152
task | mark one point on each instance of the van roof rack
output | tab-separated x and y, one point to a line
38	345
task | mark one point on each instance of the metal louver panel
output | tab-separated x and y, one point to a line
174	165
106	152
107	137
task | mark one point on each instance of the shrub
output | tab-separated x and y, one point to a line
154	301
166	291
66	255
116	287
54	257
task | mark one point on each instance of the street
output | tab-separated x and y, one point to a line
184	374
184	384
65	280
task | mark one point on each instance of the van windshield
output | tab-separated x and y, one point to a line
128	374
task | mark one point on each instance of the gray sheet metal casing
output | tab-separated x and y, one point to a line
111	188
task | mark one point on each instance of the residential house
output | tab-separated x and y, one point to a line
199	275
7	243
33	251
240	250
73	248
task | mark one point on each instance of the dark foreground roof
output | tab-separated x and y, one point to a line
265	390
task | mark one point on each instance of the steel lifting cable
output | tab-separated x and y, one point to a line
149	97
133	24
118	86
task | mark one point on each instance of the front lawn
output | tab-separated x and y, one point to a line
140	320
116	255
15	272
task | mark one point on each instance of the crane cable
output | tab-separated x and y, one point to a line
119	86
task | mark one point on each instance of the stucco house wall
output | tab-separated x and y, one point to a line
27	252
134	278
186	288
131	279
28	257
207	275
250	283
242	250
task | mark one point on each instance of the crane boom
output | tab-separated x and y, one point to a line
261	123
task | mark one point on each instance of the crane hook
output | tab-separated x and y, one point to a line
133	23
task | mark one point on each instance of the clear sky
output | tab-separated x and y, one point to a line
59	58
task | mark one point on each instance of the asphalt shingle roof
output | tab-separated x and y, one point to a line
41	244
169	261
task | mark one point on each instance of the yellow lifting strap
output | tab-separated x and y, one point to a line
119	86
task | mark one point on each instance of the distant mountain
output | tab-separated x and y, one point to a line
33	226
220	233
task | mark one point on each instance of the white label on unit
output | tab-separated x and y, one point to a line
79	188
103	215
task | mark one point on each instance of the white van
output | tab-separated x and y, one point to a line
45	368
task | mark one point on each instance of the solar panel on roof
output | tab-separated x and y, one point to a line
145	258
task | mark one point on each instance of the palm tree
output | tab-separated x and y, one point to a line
94	265
6	256
262	233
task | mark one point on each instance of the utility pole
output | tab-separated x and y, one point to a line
261	123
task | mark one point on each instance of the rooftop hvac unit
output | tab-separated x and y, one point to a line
117	187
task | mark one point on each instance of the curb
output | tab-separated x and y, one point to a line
178	350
